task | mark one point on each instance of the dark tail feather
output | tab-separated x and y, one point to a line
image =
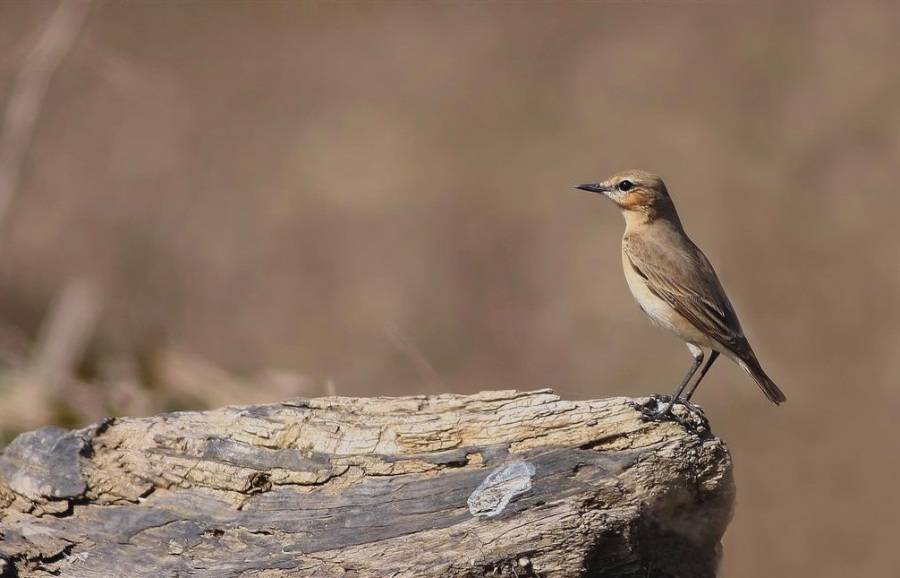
767	386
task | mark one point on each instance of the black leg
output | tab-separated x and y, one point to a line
712	357
698	359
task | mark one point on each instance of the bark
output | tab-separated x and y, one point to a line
494	484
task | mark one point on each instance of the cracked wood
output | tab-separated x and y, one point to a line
368	487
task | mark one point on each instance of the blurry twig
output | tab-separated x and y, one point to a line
29	91
183	374
426	370
65	335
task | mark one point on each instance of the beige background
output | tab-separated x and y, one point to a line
376	198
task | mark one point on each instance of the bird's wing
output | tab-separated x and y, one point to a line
680	274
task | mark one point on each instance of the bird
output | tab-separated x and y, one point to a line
674	283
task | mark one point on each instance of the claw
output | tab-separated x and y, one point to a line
651	412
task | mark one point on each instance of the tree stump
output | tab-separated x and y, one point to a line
502	483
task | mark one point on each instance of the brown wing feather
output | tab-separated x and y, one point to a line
682	276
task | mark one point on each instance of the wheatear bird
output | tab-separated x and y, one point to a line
674	283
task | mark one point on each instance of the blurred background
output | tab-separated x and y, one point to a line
218	203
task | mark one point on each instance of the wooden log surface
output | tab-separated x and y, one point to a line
501	483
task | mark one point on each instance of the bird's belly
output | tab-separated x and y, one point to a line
661	313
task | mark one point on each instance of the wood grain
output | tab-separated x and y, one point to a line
370	487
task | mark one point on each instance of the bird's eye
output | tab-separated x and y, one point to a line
626	186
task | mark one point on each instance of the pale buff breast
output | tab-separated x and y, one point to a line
661	313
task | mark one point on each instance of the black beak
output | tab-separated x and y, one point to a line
591	188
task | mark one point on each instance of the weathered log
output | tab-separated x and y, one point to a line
495	484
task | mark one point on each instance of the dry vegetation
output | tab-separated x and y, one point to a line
377	199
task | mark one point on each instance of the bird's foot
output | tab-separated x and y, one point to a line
659	407
695	409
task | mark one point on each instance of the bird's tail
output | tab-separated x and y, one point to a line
751	365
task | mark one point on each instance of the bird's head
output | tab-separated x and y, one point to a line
635	192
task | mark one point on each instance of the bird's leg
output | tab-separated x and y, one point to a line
712	357
686	400
698	359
